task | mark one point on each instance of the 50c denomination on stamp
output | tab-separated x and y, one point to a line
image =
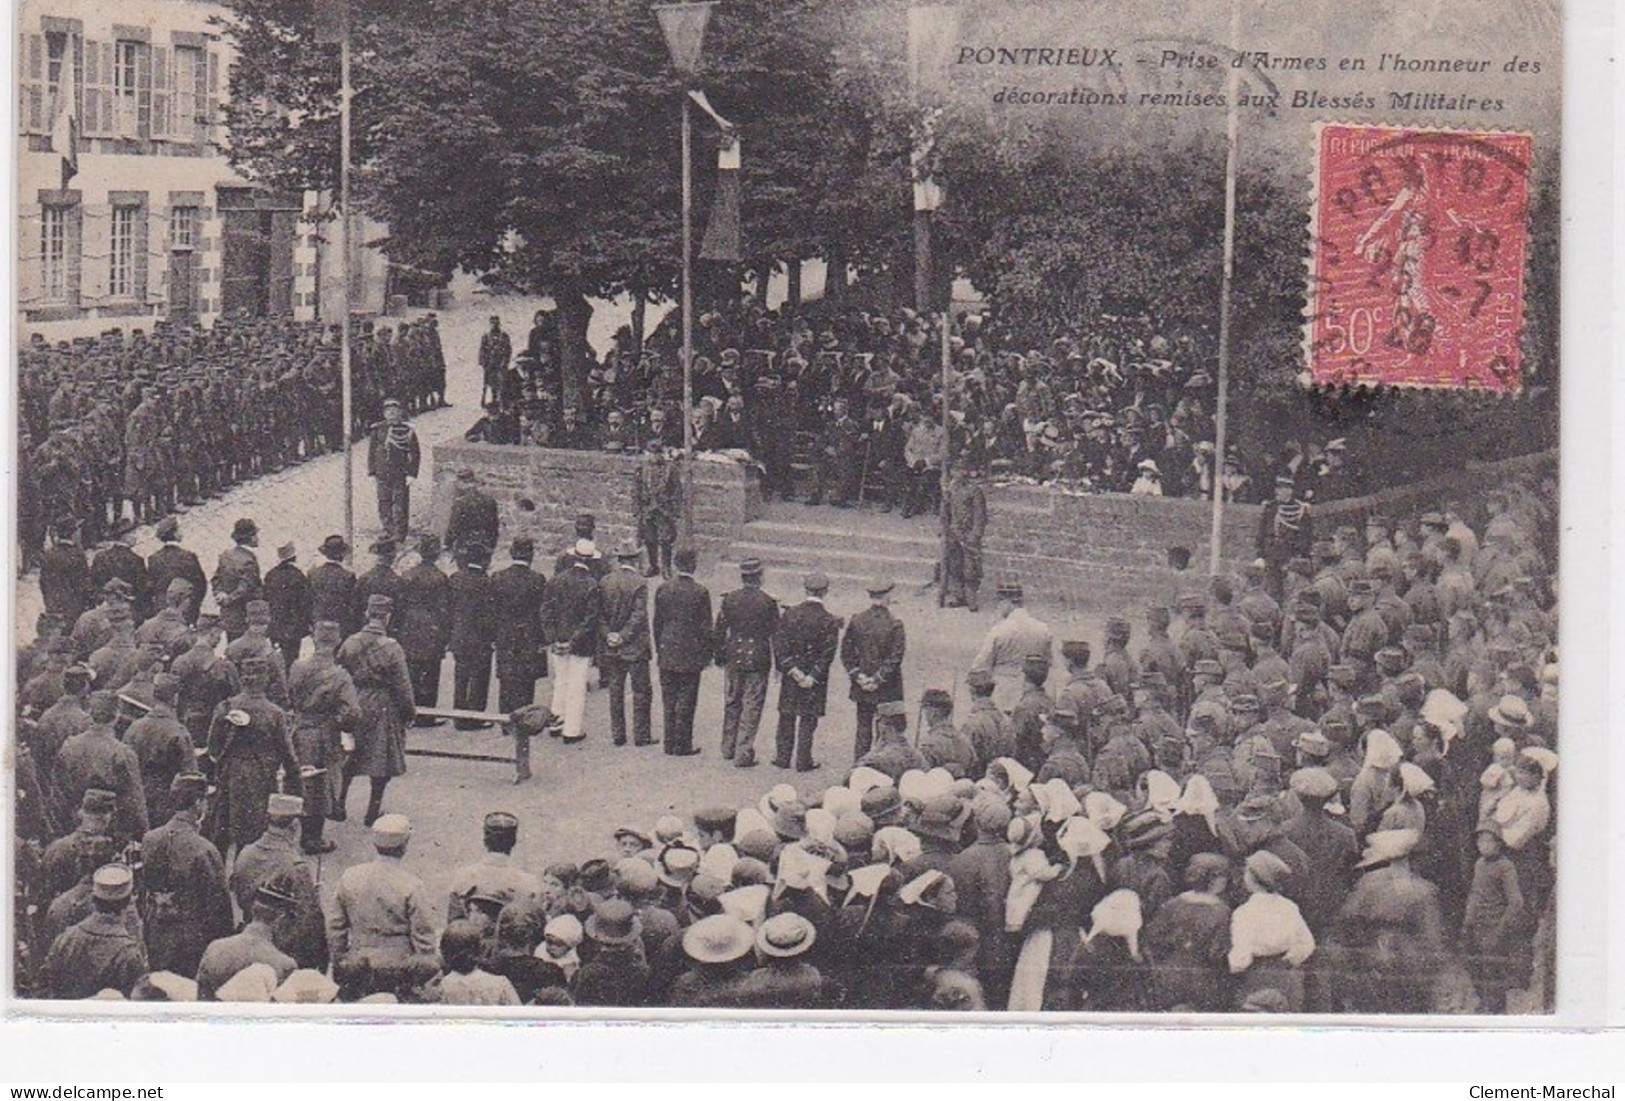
1416	272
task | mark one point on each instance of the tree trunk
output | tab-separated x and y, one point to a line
575	313
835	277
764	276
640	305
792	276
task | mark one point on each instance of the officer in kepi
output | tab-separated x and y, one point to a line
392	462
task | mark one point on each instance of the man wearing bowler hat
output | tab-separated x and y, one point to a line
237	577
173	561
744	637
804	648
287	591
393	456
872	651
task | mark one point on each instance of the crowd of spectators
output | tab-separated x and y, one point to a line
1338	800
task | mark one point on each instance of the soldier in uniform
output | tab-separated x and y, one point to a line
167	629
804	648
571	609
423	618
228	956
743	632
380	929
100	953
333	587
255	643
162	746
275	858
287	591
325	708
516	596
64	575
95	759
118	560
657	504
1285	531
377	665
65	859
381	580
986	727
206	679
965	523
250	739
1016	637
872	652
624	646
393	456
237	578
185	901
494	875
496	349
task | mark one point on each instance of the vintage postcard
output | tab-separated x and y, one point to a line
780	505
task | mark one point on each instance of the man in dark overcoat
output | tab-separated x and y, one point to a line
804	649
682	636
744	637
872	651
516	595
624	645
423	623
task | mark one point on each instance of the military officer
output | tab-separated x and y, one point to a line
326	708
804	648
250	739
624	644
100	953
185	901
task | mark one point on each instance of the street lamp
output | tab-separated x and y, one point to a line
684	28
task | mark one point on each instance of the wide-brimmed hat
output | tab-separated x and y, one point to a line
614	922
785	936
1511	711
943	817
243	529
720	938
1382	846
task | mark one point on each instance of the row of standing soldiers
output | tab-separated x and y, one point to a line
123	429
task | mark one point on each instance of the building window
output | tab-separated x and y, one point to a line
183	222
121	267
131	88
55	241
187	98
56	50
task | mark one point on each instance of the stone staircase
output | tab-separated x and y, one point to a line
849	545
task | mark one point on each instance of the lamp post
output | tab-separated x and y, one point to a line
684	28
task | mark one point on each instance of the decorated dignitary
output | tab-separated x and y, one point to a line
495	877
423	624
571	608
325	709
276	857
237	578
804	648
333	587
681	627
1008	644
100	952
872	652
377	666
516	596
624	645
744	639
474	516
380	927
250	740
287	591
393	456
172	562
185	903
474	624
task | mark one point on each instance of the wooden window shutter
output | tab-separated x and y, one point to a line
212	102
34	111
109	88
76	250
161	101
90	120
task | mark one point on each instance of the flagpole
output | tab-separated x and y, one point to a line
688	277
347	398
1222	409
944	475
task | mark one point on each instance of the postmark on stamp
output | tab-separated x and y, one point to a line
1418	245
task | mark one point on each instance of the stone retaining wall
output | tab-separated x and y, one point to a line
540	491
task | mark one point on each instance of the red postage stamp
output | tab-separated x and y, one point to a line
1417	264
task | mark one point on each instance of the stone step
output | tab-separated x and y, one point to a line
842	533
855	564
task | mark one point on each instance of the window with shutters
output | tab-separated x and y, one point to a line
34	104
121	259
188	87
59	253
